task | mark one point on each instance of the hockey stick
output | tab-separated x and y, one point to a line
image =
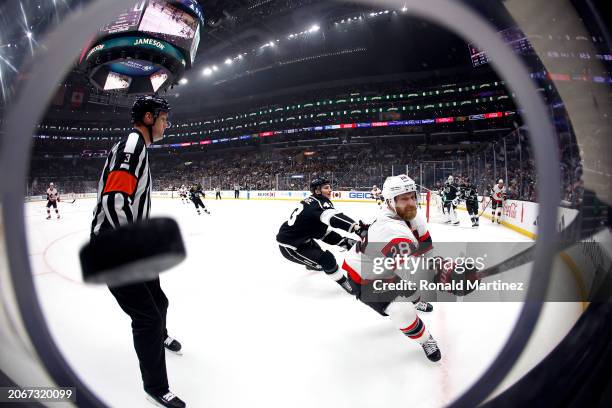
593	216
484	209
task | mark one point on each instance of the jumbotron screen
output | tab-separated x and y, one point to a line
127	21
171	24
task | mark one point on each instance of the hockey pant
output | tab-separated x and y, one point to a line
146	304
472	208
311	255
496	209
398	305
198	203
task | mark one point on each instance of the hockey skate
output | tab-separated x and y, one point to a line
173	345
430	347
48	217
344	284
423	307
167	399
456	223
498	221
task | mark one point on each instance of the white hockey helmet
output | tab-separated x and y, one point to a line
396	185
501	181
449	179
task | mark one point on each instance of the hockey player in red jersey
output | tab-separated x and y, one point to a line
397	230
498	195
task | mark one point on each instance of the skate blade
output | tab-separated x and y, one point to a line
152	401
178	353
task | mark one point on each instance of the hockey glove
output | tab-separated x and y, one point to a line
346	243
361	229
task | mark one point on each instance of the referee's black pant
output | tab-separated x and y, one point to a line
146	304
218	195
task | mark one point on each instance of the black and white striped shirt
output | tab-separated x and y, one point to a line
124	190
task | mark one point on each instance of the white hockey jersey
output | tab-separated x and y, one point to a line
498	193
388	237
52	194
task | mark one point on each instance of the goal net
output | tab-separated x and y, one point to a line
431	205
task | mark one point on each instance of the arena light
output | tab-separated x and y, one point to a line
314	28
183	81
207	71
215	68
228	61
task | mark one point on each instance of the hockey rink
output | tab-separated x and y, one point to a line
259	331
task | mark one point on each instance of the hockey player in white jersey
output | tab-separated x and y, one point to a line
52	199
183	193
498	195
397	230
376	195
450	201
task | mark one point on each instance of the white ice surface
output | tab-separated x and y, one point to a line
259	331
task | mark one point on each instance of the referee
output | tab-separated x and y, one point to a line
124	196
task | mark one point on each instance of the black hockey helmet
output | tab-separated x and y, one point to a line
149	103
318	182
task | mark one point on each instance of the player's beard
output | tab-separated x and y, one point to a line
408	213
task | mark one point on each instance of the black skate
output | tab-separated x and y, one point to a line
423	306
344	284
456	223
166	399
173	345
48	217
499	221
430	347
